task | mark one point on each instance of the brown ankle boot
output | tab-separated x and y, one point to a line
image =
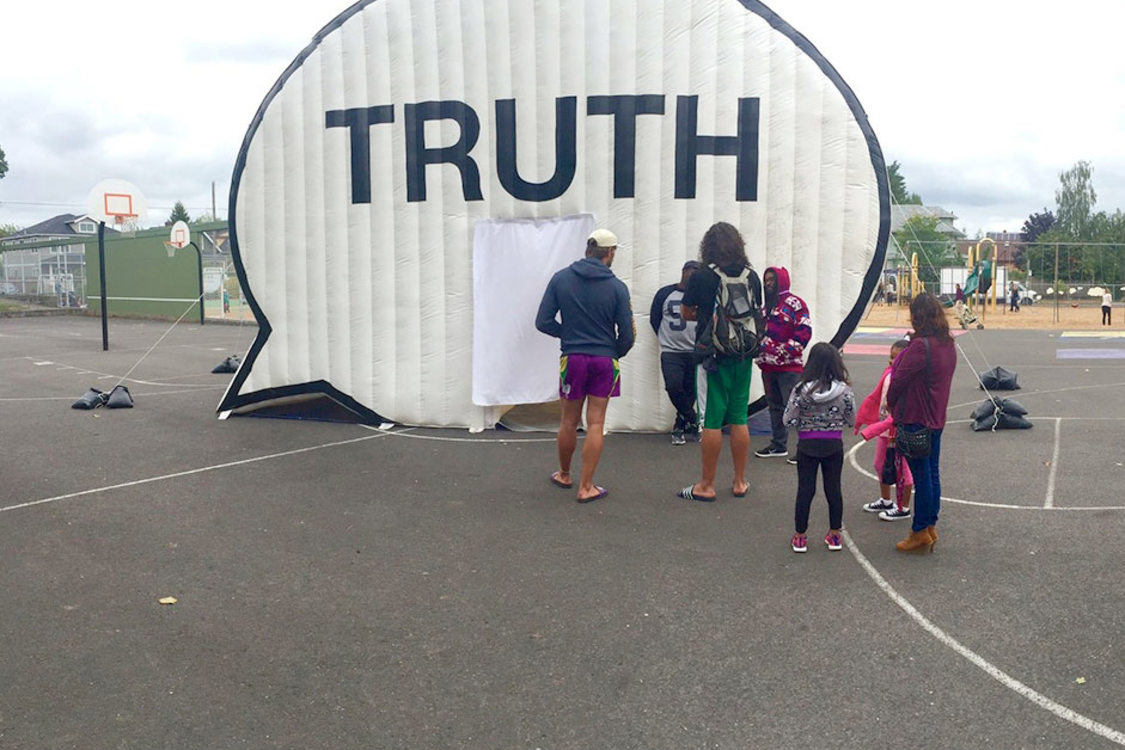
918	541
932	531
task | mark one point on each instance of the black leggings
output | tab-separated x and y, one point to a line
829	456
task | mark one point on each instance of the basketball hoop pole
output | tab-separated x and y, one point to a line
199	269
101	277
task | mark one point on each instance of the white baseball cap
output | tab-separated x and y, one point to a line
604	238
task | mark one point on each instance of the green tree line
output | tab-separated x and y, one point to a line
1090	244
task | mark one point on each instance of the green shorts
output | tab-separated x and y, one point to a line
728	394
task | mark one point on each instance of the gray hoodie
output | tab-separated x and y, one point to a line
597	317
812	411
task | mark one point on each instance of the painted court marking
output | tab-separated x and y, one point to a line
979	661
1050	501
189	472
867	350
896	333
440	439
1008	681
979	504
1090	354
956	646
1092	335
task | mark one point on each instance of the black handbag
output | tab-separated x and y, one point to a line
915	443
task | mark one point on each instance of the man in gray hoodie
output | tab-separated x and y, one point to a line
597	329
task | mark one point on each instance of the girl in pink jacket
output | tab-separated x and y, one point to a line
876	422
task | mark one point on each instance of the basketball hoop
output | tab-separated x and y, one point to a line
125	224
177	238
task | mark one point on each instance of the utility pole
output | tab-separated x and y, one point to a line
214	215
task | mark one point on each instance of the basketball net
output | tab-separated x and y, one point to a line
125	224
171	248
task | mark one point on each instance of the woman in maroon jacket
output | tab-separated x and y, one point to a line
918	397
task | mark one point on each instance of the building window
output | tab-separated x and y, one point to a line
86	227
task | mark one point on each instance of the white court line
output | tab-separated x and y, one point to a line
977	660
1049	502
189	472
107	376
998	506
438	438
1025	394
184	389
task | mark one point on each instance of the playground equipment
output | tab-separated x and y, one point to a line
979	280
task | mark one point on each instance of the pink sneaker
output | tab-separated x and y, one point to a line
832	539
799	543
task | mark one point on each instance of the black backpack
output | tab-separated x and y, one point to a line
735	321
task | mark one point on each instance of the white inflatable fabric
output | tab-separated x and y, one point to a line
404	123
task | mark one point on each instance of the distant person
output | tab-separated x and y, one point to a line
880	293
677	353
875	421
226	302
918	397
722	251
596	330
1013	297
958	295
788	330
821	406
1107	308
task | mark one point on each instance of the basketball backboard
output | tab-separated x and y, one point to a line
118	203
180	234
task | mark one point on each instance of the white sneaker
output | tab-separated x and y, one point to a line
879	506
894	514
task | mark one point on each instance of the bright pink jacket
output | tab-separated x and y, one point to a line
868	413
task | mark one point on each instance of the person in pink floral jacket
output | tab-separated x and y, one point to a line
788	331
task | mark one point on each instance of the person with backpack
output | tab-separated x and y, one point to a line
677	353
597	329
788	332
724	298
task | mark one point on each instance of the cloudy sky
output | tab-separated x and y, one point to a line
983	102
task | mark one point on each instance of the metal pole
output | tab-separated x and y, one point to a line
1056	282
199	268
101	276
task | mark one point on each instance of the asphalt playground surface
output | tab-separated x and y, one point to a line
338	586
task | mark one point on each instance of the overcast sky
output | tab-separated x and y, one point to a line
983	102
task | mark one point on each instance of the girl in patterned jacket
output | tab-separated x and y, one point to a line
821	406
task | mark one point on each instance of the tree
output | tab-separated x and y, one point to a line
179	213
899	195
1075	198
935	250
1036	224
3	164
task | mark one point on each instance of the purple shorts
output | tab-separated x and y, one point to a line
582	375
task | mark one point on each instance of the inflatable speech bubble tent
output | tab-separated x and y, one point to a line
417	174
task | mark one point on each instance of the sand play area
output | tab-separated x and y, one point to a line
1041	316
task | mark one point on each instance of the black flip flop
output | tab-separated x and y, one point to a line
602	492
687	494
559	483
